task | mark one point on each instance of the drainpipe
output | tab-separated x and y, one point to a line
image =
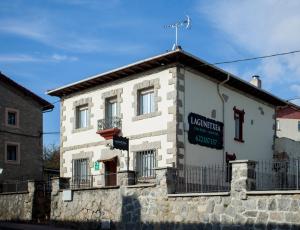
223	112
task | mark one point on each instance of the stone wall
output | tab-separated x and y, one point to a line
153	207
17	206
27	134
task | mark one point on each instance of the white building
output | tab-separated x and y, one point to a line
175	109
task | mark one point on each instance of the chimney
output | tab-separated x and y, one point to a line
256	81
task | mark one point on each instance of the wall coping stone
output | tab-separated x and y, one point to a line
126	171
13	193
200	194
273	192
55	178
164	168
141	185
93	188
241	161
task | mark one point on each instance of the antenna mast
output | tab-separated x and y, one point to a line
185	23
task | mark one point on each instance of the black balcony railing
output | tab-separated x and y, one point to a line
91	181
109	123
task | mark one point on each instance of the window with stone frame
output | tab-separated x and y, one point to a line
146	163
238	124
12	117
82	116
12	152
146	101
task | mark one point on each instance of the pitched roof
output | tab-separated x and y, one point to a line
44	104
177	56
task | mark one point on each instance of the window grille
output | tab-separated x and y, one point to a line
146	164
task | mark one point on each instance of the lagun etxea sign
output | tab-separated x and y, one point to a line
204	131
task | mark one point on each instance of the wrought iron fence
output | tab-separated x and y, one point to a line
109	123
201	179
91	181
277	175
14	186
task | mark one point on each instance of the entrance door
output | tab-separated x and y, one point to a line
111	172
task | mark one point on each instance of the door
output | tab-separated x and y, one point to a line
111	172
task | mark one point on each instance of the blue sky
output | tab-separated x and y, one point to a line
46	44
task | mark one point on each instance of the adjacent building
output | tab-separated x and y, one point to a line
21	128
177	111
287	143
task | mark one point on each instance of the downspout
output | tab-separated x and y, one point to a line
223	112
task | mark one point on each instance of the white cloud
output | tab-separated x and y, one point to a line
261	27
58	57
45	32
19	58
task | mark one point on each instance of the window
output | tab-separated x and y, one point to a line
80	172
238	124
12	152
12	117
111	108
82	116
298	126
146	101
145	164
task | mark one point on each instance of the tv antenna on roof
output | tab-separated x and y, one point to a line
187	23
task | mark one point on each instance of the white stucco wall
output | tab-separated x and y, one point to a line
201	97
151	130
288	128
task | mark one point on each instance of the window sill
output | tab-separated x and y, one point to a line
82	129
146	116
239	140
12	162
12	126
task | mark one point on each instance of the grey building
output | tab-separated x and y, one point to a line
21	127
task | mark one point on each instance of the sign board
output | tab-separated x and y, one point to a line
67	195
121	143
205	131
97	165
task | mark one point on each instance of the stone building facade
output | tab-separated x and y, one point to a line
21	127
151	103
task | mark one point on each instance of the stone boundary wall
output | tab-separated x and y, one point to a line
153	207
17	206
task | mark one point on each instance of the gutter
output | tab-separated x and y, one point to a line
223	112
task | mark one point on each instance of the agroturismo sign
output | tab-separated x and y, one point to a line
204	131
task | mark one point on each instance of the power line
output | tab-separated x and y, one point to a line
255	58
46	133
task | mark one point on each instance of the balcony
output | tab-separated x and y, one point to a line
109	127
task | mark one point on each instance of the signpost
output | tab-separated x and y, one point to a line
205	131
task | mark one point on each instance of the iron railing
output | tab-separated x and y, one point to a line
91	181
145	164
14	186
109	123
202	179
277	175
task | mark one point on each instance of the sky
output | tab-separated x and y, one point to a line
50	43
